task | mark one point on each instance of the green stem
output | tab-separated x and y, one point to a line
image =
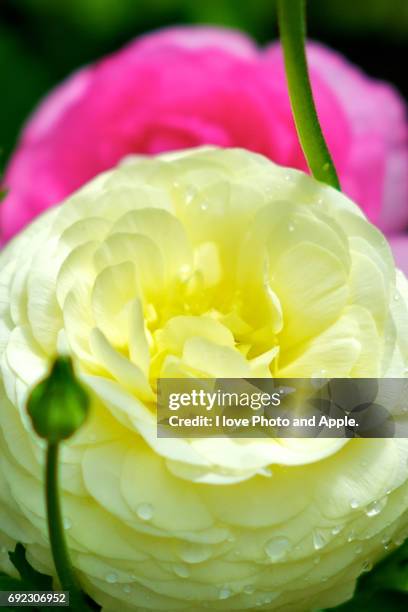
291	17
59	548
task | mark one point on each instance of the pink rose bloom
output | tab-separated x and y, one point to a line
185	87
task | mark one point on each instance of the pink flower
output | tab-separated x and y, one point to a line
187	86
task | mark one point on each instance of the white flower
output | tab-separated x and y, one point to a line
202	263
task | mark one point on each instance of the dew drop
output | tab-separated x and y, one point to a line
354	504
376	507
181	570
277	548
267	598
67	523
127	588
367	566
224	593
144	511
249	589
111	578
386	542
204	206
358	550
319	539
336	530
190	194
351	536
396	297
291	227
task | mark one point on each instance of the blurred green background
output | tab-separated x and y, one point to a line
42	41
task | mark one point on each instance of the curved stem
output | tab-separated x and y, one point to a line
59	548
291	17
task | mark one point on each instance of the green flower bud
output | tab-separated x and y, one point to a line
58	405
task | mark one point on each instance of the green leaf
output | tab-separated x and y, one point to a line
384	588
7	583
30	578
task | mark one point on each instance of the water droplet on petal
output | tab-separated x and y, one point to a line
249	589
354	504
358	550
351	536
367	566
375	507
111	578
267	598
396	297
181	570
276	548
319	539
127	588
224	593
190	194
291	227
336	530
144	512
204	206
67	523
